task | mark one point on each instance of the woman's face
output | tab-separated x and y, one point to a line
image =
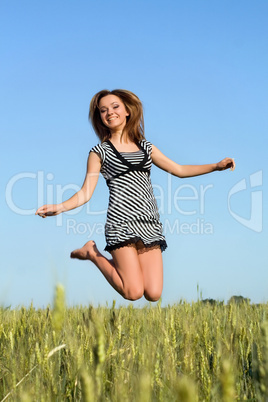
113	112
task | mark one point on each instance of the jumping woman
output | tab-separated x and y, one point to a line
133	231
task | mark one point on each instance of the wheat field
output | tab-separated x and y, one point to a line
183	352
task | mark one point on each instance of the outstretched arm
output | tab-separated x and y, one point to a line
163	162
82	196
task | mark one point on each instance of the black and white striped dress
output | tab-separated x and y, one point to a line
132	213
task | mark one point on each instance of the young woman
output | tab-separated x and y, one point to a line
133	231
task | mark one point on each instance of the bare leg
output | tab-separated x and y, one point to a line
123	272
152	268
90	252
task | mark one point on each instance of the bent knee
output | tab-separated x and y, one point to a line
152	295
133	293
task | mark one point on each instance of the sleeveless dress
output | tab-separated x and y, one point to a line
132	214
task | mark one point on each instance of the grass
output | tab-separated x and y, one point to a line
184	352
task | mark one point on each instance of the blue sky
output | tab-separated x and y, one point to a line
200	69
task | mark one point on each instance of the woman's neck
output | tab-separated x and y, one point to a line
123	143
120	137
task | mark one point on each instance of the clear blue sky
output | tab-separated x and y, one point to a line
200	69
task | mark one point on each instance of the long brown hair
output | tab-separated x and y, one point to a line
135	124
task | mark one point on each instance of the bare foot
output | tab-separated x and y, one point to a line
87	252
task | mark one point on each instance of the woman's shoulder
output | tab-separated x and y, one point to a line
100	149
144	140
147	145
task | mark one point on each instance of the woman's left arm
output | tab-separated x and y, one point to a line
163	162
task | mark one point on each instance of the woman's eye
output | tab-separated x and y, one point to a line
116	106
103	111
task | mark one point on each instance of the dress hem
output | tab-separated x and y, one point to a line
134	240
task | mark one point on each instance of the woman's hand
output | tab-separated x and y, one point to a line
227	163
49	210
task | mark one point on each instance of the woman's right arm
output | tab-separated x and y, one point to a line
82	196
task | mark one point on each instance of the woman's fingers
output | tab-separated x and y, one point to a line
233	165
40	211
230	164
227	163
45	210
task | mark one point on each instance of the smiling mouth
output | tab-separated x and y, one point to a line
112	118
